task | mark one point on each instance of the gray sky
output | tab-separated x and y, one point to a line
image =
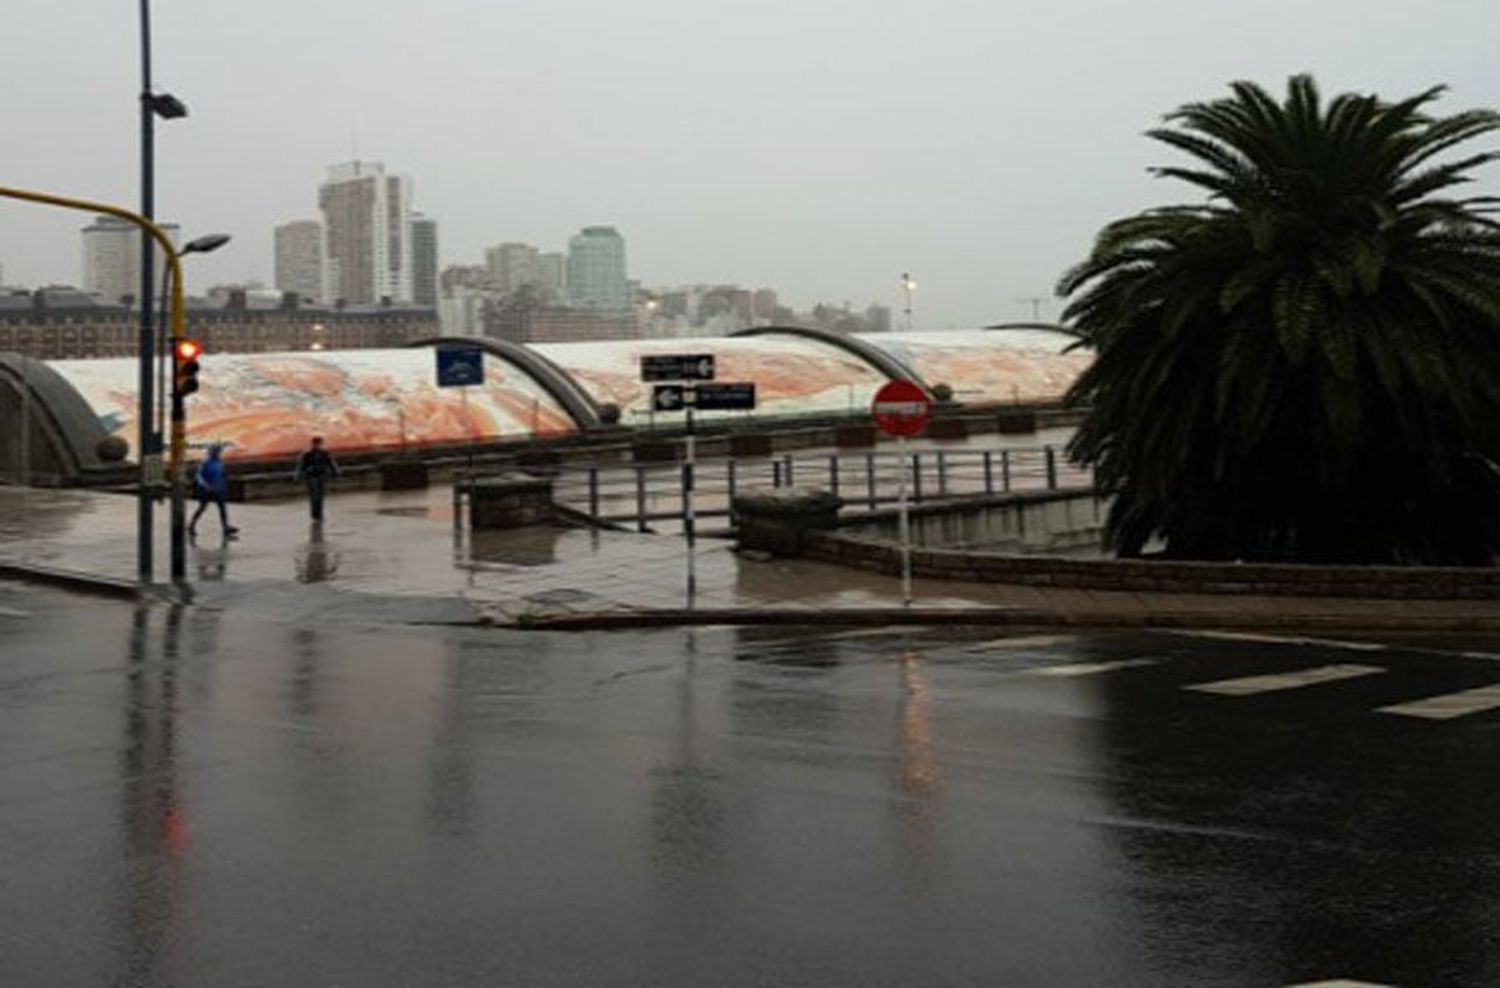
820	147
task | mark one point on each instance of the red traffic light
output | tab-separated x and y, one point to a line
188	350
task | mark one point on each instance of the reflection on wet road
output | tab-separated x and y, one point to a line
193	796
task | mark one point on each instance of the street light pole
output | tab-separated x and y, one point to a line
149	440
167	107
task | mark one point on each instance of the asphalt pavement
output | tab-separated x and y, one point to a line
251	796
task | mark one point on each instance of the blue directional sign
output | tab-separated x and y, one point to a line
677	367
458	366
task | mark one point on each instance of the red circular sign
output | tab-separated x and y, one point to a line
901	408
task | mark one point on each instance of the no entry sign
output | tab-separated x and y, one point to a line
901	408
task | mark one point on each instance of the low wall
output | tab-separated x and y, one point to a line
1139	575
1065	522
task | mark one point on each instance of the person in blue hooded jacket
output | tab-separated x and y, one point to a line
212	487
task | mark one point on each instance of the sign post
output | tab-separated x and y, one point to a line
458	366
902	409
675	397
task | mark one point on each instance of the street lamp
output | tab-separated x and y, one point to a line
908	286
178	531
168	107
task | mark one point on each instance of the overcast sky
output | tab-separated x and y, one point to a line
820	147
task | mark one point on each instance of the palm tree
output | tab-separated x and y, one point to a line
1305	367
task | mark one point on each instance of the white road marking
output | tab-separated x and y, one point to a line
1250	636
12	612
1250	685
1448	705
1090	668
1339	984
1022	641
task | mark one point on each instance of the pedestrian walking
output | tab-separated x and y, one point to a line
315	467
211	484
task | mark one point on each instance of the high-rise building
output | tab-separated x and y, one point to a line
511	266
424	260
552	274
367	253
299	259
596	270
112	257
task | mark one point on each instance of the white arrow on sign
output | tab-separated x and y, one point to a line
667	398
706	368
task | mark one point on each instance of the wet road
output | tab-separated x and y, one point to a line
213	797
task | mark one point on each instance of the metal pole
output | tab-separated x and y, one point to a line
870	478
833	474
688	520
1051	469
905	526
942	458
916	472
989	473
148	449
594	493
640	497
1005	470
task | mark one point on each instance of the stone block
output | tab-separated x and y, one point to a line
777	520
509	501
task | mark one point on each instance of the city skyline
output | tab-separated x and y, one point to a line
979	149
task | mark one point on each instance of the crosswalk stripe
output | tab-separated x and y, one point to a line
1339	984
1249	685
1090	668
1251	636
1024	641
1448	705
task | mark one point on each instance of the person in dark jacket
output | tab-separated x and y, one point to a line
212	487
316	467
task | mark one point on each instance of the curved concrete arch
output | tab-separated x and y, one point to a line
872	355
554	380
63	416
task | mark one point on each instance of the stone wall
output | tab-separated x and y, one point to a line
1139	575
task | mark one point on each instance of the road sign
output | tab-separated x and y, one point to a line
736	396
677	367
458	366
901	408
669	397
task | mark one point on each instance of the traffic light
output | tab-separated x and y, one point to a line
185	376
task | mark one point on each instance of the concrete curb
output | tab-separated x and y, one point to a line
999	616
66	579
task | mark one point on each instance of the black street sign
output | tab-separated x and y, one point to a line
668	397
677	367
724	397
703	397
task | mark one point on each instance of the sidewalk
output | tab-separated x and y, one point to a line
396	557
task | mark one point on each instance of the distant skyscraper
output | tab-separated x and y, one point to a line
366	234
511	266
299	259
112	257
596	270
424	260
552	274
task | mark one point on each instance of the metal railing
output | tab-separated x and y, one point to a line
640	495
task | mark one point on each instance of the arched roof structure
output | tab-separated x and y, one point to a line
893	368
267	405
56	414
564	389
